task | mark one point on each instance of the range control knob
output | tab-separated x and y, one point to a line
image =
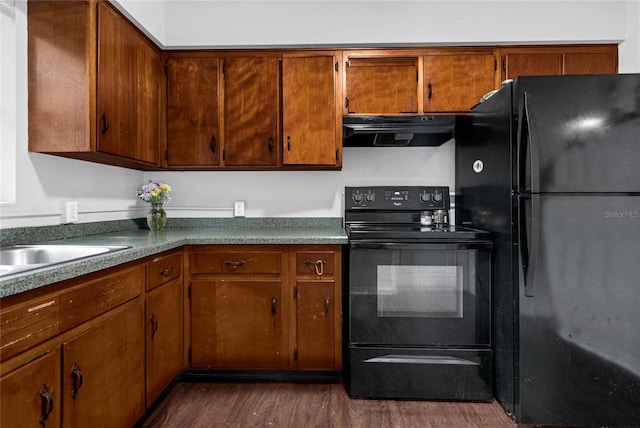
357	197
370	197
424	197
437	197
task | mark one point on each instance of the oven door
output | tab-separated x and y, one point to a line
419	294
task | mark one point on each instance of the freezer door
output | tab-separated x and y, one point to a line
578	133
579	340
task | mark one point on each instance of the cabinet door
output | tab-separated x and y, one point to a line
531	64
202	299
310	121
193	132
590	63
316	312
251	111
128	107
382	85
30	395
103	372
455	83
149	87
239	325
163	338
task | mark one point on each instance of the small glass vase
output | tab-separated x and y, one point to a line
157	219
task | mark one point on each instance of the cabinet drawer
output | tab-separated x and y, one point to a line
163	268
314	262
244	262
29	323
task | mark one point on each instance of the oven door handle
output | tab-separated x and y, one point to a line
402	246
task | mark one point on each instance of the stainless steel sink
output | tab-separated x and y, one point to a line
19	258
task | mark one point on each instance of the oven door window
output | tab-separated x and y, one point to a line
419	295
420	291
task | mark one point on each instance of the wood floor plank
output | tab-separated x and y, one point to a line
273	404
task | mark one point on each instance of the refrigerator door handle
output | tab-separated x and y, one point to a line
528	179
529	244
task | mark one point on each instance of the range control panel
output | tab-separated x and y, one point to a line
389	198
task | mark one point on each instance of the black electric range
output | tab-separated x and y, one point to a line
418	306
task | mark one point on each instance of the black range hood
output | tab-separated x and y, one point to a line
396	131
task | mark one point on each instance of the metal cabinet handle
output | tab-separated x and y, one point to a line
105	124
213	143
77	380
46	405
234	265
167	271
327	304
288	143
430	91
270	144
274	303
154	325
319	265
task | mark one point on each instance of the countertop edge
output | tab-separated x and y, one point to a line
158	242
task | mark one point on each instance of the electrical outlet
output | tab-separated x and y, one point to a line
238	208
70	212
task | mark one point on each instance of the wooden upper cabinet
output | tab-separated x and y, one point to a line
456	82
558	60
251	111
381	85
531	64
193	126
129	85
590	63
312	119
95	85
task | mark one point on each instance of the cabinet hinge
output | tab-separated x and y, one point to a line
224	154
295	354
166	67
495	65
224	67
417	77
189	355
295	292
166	155
346	102
337	154
347	64
336	66
189	291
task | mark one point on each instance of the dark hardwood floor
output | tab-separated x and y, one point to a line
271	404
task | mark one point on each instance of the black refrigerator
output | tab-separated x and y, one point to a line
551	165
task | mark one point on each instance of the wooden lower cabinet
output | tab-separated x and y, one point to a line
163	337
239	324
30	395
316	328
264	307
317	272
103	372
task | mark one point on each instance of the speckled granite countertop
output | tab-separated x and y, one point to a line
144	243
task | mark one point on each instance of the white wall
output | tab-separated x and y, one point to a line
629	50
260	23
104	192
